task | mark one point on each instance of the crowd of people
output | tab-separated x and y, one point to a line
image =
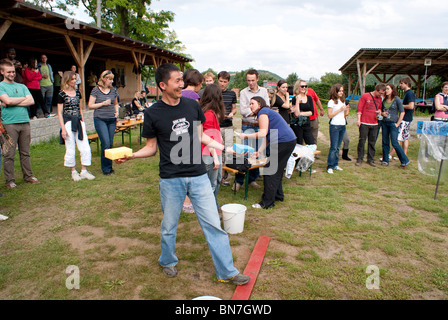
271	123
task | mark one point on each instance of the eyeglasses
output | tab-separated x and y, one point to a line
305	86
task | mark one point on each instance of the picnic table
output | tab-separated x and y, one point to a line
126	126
255	163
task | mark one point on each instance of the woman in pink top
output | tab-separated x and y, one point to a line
31	78
441	103
213	107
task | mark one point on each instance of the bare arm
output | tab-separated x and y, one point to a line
11	101
93	105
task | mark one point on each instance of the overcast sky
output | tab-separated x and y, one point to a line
309	37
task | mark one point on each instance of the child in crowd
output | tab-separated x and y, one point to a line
213	107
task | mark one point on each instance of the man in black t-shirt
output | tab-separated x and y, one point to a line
230	100
174	125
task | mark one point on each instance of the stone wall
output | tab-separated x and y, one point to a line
43	129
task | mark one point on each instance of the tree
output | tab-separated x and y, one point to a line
292	78
331	78
129	18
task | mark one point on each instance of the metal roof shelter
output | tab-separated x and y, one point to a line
384	64
28	27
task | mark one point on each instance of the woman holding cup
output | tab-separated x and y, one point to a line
104	100
337	111
392	112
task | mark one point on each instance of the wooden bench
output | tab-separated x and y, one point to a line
94	138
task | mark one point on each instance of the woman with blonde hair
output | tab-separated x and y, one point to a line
104	100
73	128
303	108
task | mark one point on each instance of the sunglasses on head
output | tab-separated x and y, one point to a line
107	73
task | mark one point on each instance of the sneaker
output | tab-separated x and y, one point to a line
395	158
239	279
257	206
255	185
3	218
330	171
109	173
51	115
170	271
338	168
225	182
86	175
33	180
384	163
11	185
236	187
76	176
402	166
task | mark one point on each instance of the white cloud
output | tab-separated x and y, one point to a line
309	37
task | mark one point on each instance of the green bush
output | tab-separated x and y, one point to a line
322	89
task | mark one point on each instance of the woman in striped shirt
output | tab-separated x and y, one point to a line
104	100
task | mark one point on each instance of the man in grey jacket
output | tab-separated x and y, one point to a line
46	84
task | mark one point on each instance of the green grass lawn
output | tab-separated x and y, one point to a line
325	234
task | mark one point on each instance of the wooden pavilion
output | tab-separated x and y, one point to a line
66	41
384	64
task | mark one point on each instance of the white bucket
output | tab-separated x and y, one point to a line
206	298
233	215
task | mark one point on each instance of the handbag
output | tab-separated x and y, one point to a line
5	140
300	121
239	163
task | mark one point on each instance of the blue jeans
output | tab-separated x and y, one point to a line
390	134
255	173
199	190
336	136
106	132
214	176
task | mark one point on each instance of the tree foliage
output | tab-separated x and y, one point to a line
129	18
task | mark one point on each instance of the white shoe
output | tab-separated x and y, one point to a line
86	175
256	206
2	217
330	171
76	176
338	168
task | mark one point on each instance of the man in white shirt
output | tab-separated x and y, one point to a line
249	121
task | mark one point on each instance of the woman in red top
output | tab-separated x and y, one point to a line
213	107
31	78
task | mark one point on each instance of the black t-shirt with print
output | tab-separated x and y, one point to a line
175	128
70	105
